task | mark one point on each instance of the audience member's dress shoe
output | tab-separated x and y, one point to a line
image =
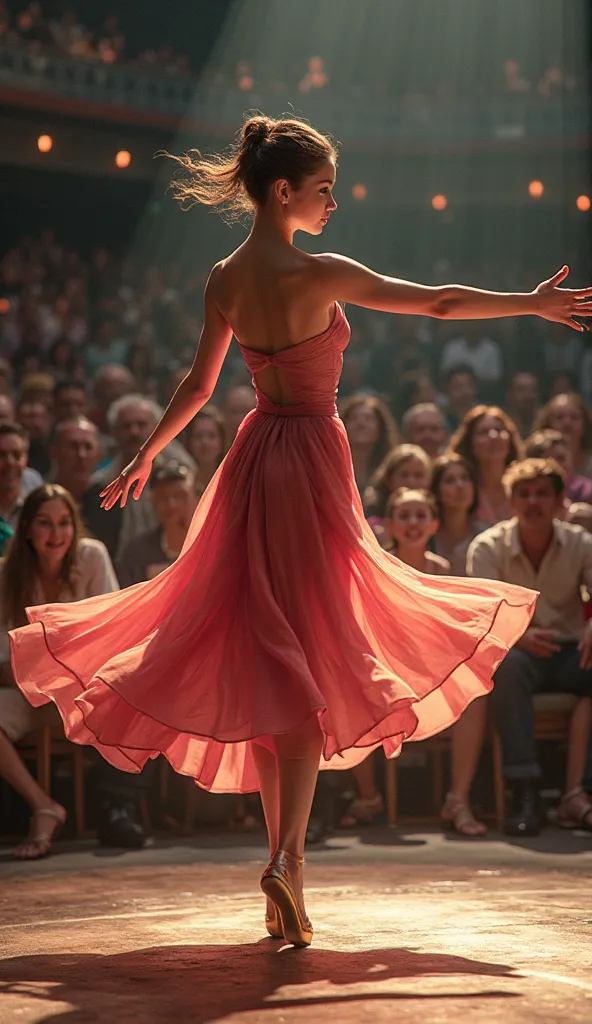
524	809
118	827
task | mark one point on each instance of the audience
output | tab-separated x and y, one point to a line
48	560
371	431
205	440
172	489
569	414
536	550
17	479
474	348
425	426
551	444
454	487
489	441
523	400
460	390
239	400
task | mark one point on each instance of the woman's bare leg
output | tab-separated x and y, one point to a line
298	754
467	742
365	776
577	746
266	764
16	773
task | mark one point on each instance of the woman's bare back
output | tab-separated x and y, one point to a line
272	300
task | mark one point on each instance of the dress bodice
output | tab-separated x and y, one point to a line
311	370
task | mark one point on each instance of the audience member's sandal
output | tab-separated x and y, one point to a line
575	810
459	817
362	811
39	842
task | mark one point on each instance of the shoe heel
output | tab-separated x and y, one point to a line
292	929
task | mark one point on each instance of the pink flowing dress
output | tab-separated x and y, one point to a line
282	604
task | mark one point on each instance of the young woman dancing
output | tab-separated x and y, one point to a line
283	636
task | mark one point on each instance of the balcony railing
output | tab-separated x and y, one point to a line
124	88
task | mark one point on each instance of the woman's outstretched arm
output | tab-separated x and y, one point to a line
349	281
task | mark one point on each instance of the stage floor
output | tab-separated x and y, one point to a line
410	926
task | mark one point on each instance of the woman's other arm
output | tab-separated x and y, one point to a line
349	281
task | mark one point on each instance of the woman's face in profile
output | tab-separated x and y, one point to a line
491	439
310	206
456	488
362	425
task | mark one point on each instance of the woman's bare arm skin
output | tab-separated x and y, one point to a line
349	281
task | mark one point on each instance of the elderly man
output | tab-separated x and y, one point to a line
536	550
132	419
424	425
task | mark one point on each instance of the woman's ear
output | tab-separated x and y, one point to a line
281	191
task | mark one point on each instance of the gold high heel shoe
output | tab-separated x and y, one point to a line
273	924
276	884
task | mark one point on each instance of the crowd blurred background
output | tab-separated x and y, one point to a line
101	283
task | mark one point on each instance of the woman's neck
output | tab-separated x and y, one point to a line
173	535
361	454
455	524
490	476
413	556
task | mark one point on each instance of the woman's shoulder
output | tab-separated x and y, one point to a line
91	550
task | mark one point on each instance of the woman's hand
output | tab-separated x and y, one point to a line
137	472
563	304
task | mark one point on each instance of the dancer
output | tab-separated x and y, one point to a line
283	635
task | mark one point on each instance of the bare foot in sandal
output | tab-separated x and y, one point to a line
575	810
458	816
44	822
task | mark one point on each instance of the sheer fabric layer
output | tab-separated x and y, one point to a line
281	605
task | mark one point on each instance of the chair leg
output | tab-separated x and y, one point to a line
498	780
79	792
190	806
391	791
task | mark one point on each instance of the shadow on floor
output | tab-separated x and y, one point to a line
207	983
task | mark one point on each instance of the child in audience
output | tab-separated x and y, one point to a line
406	465
411	522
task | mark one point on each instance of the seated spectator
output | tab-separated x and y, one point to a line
17	479
523	400
63	359
48	560
172	489
406	465
460	391
205	440
132	419
475	349
69	400
36	419
425	426
562	351
411	522
75	451
239	400
570	415
454	487
489	441
536	550
551	444
371	432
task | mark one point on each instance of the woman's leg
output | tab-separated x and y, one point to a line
577	745
298	755
467	743
266	764
15	772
